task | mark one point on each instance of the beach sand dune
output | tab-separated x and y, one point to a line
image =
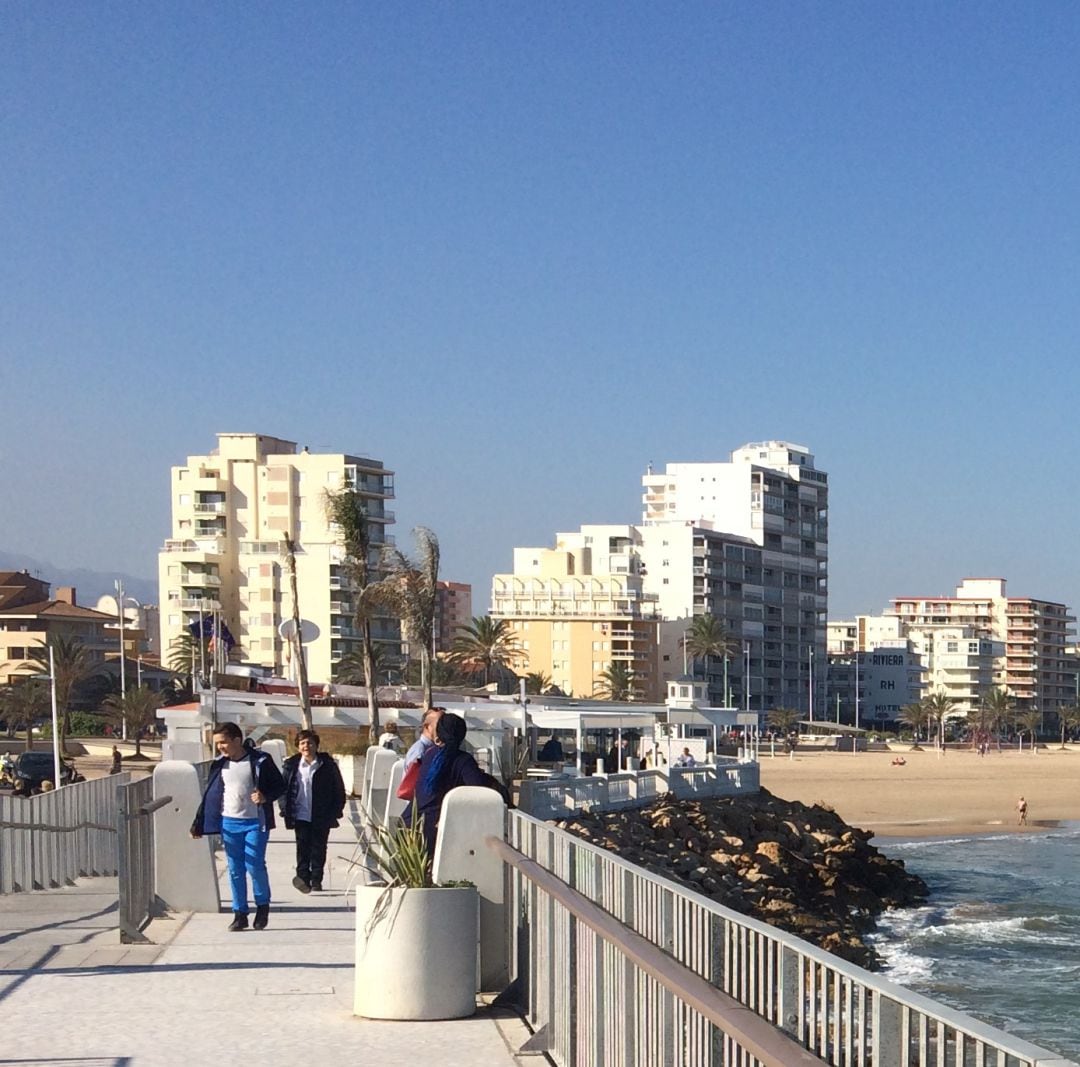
956	793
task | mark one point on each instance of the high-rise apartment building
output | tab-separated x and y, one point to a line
579	608
453	609
230	512
1025	638
766	579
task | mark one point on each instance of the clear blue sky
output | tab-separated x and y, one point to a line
519	251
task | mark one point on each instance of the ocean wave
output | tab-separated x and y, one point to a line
961	925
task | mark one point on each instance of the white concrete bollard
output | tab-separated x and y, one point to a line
186	879
469	814
275	748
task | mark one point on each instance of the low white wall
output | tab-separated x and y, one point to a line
557	798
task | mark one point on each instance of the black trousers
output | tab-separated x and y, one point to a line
311	850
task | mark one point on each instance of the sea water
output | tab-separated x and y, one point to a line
999	937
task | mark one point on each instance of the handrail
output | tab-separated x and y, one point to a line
756	1035
57	829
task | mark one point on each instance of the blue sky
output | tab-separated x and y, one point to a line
519	251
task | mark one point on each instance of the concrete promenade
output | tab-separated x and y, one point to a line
71	993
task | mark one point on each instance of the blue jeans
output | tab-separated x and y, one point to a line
245	849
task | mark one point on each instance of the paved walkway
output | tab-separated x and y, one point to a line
71	993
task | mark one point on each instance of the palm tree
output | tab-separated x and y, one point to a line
1069	720
1028	721
784	720
73	663
706	638
349	670
994	710
22	703
938	706
616	682
347	510
186	654
134	710
537	682
917	716
416	586
485	645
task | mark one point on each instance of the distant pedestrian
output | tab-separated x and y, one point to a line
389	738
1021	812
686	759
116	761
238	803
312	804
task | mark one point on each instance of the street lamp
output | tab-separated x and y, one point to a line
118	585
55	718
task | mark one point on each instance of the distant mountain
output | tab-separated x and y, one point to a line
89	585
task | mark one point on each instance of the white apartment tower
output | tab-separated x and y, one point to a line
230	512
758	560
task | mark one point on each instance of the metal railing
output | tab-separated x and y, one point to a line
49	840
138	900
594	996
558	798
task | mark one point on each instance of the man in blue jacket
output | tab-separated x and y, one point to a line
238	803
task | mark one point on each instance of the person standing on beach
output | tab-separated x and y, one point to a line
238	803
1021	812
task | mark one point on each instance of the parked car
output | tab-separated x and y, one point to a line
33	768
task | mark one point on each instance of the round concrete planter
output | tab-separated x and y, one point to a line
415	953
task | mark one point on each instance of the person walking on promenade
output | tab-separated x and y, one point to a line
426	738
116	761
313	802
1021	812
238	803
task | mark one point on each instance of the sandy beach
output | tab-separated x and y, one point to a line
931	795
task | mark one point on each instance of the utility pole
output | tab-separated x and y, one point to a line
119	586
298	637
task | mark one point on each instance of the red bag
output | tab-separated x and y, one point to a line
409	780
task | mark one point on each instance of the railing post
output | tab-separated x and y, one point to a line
886	1018
787	1007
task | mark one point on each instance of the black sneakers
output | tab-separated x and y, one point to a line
317	886
300	884
239	921
262	915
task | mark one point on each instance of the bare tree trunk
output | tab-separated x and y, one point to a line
369	680
425	676
298	638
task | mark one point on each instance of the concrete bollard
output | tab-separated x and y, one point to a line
186	879
469	814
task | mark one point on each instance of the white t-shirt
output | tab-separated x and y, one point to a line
239	779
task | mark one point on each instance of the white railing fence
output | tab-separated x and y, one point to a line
592	1003
560	797
49	840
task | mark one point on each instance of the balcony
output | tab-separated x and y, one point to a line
199	604
212	546
199	578
217	507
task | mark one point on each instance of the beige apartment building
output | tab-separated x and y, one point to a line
1028	637
231	510
580	607
29	616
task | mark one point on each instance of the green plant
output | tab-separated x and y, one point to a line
400	854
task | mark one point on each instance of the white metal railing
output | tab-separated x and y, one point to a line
138	901
49	840
560	797
573	978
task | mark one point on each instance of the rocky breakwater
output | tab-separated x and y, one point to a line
802	869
